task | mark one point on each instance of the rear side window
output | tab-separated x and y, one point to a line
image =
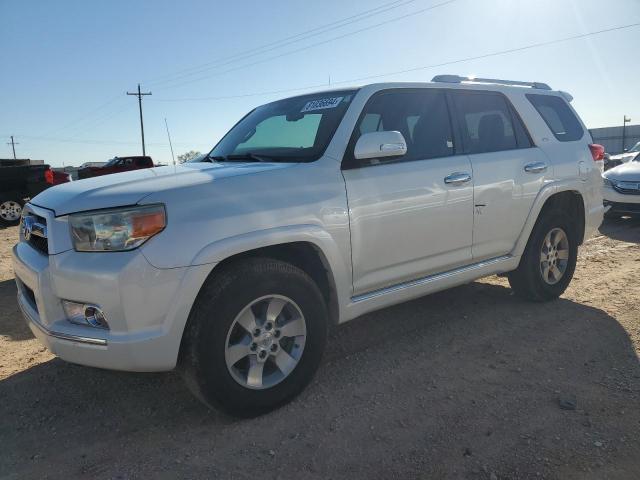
558	116
422	117
488	123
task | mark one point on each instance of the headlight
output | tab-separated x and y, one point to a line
117	229
608	183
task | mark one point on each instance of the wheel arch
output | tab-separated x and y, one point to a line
306	255
562	196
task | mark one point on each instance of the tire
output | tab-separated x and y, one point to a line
531	280
10	210
227	301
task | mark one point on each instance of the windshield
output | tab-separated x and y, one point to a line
295	129
112	162
635	148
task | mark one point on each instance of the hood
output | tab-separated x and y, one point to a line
627	172
129	188
625	157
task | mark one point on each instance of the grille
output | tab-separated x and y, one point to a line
39	243
30	296
624	207
628	191
38	237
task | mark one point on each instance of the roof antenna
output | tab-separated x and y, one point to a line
169	137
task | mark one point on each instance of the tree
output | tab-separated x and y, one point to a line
190	155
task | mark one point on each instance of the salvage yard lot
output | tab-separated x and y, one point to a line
466	383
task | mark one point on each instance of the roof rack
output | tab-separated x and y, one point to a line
515	83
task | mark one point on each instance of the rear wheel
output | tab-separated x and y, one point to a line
255	336
10	210
549	260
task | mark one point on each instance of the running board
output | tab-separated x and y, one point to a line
429	279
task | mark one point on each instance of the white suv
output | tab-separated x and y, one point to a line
311	211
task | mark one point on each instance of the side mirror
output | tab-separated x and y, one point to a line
380	145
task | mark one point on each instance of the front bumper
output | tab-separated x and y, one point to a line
621	203
146	307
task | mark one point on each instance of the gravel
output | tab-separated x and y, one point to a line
465	384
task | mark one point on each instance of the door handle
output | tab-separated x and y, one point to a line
536	167
457	178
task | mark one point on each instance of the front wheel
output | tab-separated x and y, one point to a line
549	260
255	336
10	210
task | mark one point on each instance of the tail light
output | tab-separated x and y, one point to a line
48	176
597	151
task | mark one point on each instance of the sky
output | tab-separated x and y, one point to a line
65	66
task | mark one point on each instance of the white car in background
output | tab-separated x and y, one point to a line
621	192
628	155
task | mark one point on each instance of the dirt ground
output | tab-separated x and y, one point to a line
467	383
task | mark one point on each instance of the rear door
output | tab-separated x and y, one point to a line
508	170
406	221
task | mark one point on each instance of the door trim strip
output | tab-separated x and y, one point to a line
428	279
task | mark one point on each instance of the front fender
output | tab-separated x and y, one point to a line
337	266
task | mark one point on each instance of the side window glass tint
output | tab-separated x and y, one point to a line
486	122
522	138
558	116
421	117
371	122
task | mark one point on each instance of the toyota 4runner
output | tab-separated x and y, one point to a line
311	211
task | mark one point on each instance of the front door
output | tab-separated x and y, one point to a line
411	216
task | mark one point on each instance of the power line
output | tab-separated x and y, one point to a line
247	53
83	117
140	95
282	42
368	77
409	70
307	47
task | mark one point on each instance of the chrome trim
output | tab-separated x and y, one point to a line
54	334
457	178
497	81
536	167
428	279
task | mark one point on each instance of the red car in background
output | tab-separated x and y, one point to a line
116	165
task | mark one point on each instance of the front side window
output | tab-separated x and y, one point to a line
558	116
295	129
422	117
487	123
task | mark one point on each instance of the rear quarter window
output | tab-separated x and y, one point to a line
558	116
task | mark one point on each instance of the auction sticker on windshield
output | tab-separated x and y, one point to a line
321	104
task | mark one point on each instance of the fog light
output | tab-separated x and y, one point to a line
85	314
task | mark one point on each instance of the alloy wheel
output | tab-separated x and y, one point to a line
265	342
554	256
10	211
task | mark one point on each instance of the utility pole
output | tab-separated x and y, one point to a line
140	95
13	146
625	120
170	146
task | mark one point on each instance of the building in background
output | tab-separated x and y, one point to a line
611	137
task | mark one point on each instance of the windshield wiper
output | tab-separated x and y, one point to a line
248	156
243	157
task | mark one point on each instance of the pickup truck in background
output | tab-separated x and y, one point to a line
116	165
19	183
